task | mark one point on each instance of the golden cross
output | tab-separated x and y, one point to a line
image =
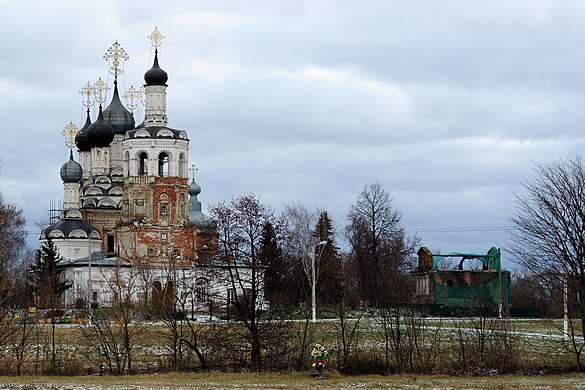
155	38
133	97
100	89
116	53
70	131
87	91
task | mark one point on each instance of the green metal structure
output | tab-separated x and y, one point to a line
485	291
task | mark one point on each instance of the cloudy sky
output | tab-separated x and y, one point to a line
447	104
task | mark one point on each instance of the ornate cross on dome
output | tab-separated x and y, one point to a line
100	89
116	53
193	169
69	132
87	91
155	38
133	96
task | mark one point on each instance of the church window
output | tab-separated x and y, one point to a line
151	251
127	163
163	209
163	236
110	243
163	165
201	290
142	168
176	253
231	296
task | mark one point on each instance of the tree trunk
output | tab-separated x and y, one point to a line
256	357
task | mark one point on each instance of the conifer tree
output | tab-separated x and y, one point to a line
48	284
329	265
270	256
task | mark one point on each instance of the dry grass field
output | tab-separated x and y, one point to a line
291	381
539	350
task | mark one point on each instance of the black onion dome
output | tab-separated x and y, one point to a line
71	171
117	115
155	75
81	139
100	134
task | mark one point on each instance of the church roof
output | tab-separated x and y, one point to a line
157	132
100	133
117	115
196	216
70	228
98	259
155	75
71	171
81	139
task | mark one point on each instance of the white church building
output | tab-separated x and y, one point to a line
132	226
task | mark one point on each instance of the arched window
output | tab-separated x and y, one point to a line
143	168
127	163
201	293
157	294
163	165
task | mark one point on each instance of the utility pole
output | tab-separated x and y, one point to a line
314	282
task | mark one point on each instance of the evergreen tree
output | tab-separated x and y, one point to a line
271	257
329	264
49	286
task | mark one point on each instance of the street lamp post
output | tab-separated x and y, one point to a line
313	283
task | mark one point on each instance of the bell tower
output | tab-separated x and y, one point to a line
156	178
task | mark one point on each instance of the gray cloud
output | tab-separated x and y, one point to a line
446	104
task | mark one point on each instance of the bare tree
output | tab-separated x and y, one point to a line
112	332
380	248
12	236
549	234
381	254
301	242
15	325
240	226
184	333
484	342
